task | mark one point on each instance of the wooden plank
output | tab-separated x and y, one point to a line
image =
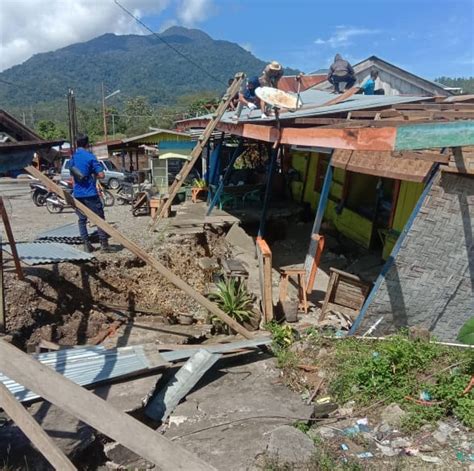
11	239
202	141
96	412
140	253
319	239
329	292
265	273
28	425
340	98
3	320
427	156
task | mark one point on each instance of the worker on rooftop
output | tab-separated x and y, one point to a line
341	72
270	77
247	97
368	87
85	168
235	99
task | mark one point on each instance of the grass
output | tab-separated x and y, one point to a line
398	368
388	371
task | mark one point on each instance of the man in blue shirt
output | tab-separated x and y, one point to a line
85	169
368	87
247	97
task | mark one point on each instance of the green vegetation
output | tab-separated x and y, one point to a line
398	370
466	334
466	83
233	298
283	336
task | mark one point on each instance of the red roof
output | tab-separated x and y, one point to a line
288	83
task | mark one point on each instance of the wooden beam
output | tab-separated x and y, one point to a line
11	239
342	97
140	253
202	141
435	106
427	156
33	431
96	412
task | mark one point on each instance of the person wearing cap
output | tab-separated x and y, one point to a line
270	77
341	72
247	97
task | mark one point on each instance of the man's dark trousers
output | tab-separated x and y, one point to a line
94	204
349	80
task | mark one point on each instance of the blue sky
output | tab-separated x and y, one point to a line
430	38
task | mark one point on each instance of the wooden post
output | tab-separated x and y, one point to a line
265	274
96	412
11	239
268	189
33	431
140	253
196	152
3	320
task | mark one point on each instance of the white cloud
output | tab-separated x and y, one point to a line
343	36
190	12
28	27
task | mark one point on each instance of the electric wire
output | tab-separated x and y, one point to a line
184	56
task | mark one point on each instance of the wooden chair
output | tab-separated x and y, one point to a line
300	275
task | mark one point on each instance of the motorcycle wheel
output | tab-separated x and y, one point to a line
109	199
53	207
38	198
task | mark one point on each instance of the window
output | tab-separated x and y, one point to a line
109	165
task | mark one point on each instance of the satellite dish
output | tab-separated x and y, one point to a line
279	98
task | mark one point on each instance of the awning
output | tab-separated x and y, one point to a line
173	155
383	164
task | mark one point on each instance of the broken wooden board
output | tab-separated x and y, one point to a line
265	276
95	411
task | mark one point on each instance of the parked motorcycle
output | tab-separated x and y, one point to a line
55	204
39	190
38	193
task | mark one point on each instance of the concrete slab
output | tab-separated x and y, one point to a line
236	389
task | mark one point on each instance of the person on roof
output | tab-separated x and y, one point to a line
85	169
341	72
235	99
368	87
247	97
270	77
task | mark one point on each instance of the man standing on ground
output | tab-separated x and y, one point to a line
341	72
85	169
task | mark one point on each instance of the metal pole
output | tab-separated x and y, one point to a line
225	178
268	190
104	113
3	321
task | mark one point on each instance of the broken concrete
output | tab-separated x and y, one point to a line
288	445
239	238
228	422
392	415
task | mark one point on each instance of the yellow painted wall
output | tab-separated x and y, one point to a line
409	194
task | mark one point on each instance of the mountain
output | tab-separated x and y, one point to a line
137	65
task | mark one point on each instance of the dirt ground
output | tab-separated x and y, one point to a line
70	303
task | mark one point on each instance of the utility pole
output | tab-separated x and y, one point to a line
113	126
72	119
104	112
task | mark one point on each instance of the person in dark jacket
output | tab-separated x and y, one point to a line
247	97
85	169
341	72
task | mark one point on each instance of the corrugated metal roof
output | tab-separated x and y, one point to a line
85	366
313	101
68	234
41	253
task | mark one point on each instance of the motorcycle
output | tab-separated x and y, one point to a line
39	191
55	204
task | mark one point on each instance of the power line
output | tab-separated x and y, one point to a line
184	56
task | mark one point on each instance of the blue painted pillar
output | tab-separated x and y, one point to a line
225	178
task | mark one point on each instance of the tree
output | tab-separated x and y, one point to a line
50	130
